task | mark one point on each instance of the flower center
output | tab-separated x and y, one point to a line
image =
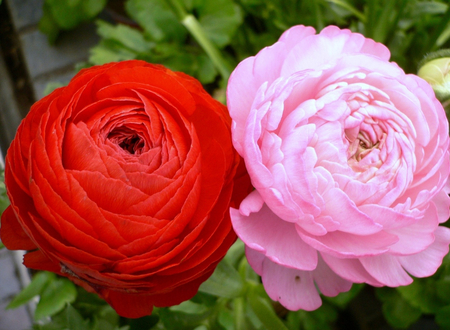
361	147
127	139
366	133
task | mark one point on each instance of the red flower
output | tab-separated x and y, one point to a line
122	181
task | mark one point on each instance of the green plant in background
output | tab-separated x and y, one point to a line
4	201
206	39
232	299
403	306
164	38
67	14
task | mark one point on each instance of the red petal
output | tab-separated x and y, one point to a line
128	305
38	260
12	233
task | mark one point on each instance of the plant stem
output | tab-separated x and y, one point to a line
194	27
197	31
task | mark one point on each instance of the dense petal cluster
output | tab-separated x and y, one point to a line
350	159
122	181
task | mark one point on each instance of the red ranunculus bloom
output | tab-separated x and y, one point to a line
122	181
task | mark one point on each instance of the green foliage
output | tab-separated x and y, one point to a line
404	305
321	319
51	86
396	309
35	288
206	38
164	39
220	19
224	282
54	298
157	19
4	201
67	14
245	307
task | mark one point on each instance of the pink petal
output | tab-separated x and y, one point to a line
387	217
386	269
255	259
251	204
426	263
329	283
293	288
350	269
341	209
345	245
442	203
416	237
282	245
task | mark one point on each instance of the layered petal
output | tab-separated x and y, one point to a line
122	182
349	157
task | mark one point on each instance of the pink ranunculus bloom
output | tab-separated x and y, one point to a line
350	159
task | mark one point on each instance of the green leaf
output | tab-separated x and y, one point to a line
48	24
224	282
201	327
109	51
54	297
157	19
225	319
74	319
396	309
421	294
51	86
429	7
322	318
92	8
235	253
443	317
383	24
102	324
143	323
130	38
176	61
443	289
185	316
343	298
4	203
265	312
207	72
350	8
189	307
219	19
65	13
36	287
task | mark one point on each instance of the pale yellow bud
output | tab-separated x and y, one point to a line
436	71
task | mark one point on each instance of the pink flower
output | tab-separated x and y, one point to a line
350	159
